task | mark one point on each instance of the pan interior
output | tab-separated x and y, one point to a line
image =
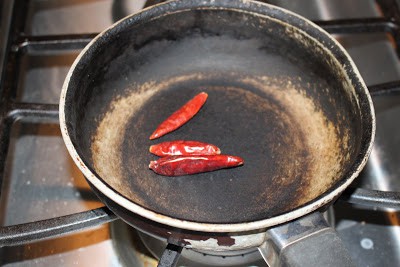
276	99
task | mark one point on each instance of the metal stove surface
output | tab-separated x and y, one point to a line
41	181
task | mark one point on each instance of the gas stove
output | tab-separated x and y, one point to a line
50	217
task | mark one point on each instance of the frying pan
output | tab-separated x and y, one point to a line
283	95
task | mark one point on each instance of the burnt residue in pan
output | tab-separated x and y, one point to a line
292	152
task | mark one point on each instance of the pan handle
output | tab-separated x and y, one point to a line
307	241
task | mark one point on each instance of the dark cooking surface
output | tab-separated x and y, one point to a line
242	123
283	108
234	119
372	237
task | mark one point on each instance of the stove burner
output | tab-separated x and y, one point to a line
132	245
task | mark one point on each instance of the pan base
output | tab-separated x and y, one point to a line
286	141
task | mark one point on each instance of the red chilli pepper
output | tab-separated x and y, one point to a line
181	116
182	147
183	165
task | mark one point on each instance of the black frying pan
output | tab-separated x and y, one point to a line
283	95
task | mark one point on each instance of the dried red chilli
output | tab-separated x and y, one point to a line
184	165
183	147
181	116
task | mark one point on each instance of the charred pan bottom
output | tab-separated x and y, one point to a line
293	152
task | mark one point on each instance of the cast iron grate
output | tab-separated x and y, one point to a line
11	110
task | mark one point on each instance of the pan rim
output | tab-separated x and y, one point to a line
325	198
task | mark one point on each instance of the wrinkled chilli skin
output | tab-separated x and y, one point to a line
184	148
181	116
184	165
